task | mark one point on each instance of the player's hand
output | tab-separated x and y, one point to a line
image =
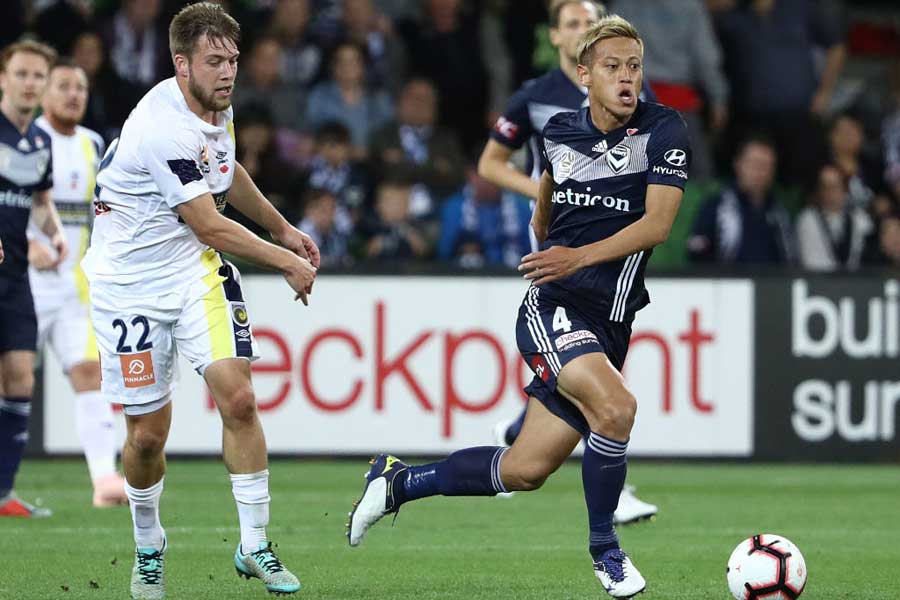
1	251
300	244
40	256
551	264
301	277
62	248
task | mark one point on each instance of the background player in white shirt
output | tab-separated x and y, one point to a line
158	282
61	294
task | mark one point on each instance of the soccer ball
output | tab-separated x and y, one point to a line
766	567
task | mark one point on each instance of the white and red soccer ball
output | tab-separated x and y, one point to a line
766	567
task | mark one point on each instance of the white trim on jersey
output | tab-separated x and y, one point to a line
626	277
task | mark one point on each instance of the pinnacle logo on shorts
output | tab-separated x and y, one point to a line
137	369
539	366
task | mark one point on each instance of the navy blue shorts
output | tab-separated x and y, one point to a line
18	323
550	334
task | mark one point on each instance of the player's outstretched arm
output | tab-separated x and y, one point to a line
246	197
494	166
225	235
44	215
650	230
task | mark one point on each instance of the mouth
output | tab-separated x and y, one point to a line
224	91
627	97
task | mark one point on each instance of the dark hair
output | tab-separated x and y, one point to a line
760	138
197	20
65	62
31	46
333	132
314	195
254	113
556	7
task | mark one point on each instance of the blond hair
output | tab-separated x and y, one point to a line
612	26
29	46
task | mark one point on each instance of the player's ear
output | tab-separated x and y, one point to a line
554	37
584	75
181	65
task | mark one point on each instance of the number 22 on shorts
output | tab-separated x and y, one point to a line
137	367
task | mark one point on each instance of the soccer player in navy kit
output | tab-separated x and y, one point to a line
25	182
526	114
613	179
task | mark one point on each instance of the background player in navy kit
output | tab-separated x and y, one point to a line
526	114
25	182
613	179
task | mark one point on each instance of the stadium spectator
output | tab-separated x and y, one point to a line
259	82
111	98
683	65
445	45
769	59
745	223
362	24
484	225
889	241
138	46
832	233
319	221
301	60
428	153
891	136
865	185
392	235
334	170
257	153
345	98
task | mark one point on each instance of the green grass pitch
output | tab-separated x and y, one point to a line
845	519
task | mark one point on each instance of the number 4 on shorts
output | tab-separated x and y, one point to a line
561	321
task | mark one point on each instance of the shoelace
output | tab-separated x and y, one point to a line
612	565
267	560
150	567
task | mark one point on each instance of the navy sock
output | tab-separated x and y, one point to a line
469	472
13	435
514	429
603	475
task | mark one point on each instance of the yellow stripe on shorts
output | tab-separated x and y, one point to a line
218	318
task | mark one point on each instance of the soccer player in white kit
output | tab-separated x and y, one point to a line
61	293
157	283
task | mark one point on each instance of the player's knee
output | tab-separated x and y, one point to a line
239	407
19	383
614	414
147	441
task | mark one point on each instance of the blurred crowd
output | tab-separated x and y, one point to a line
363	120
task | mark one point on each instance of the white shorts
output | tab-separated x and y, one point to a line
64	325
140	338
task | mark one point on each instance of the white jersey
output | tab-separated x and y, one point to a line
165	156
75	161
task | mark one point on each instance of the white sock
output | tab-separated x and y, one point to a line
95	424
251	494
145	512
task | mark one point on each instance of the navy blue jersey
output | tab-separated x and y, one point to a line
600	185
25	167
529	109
